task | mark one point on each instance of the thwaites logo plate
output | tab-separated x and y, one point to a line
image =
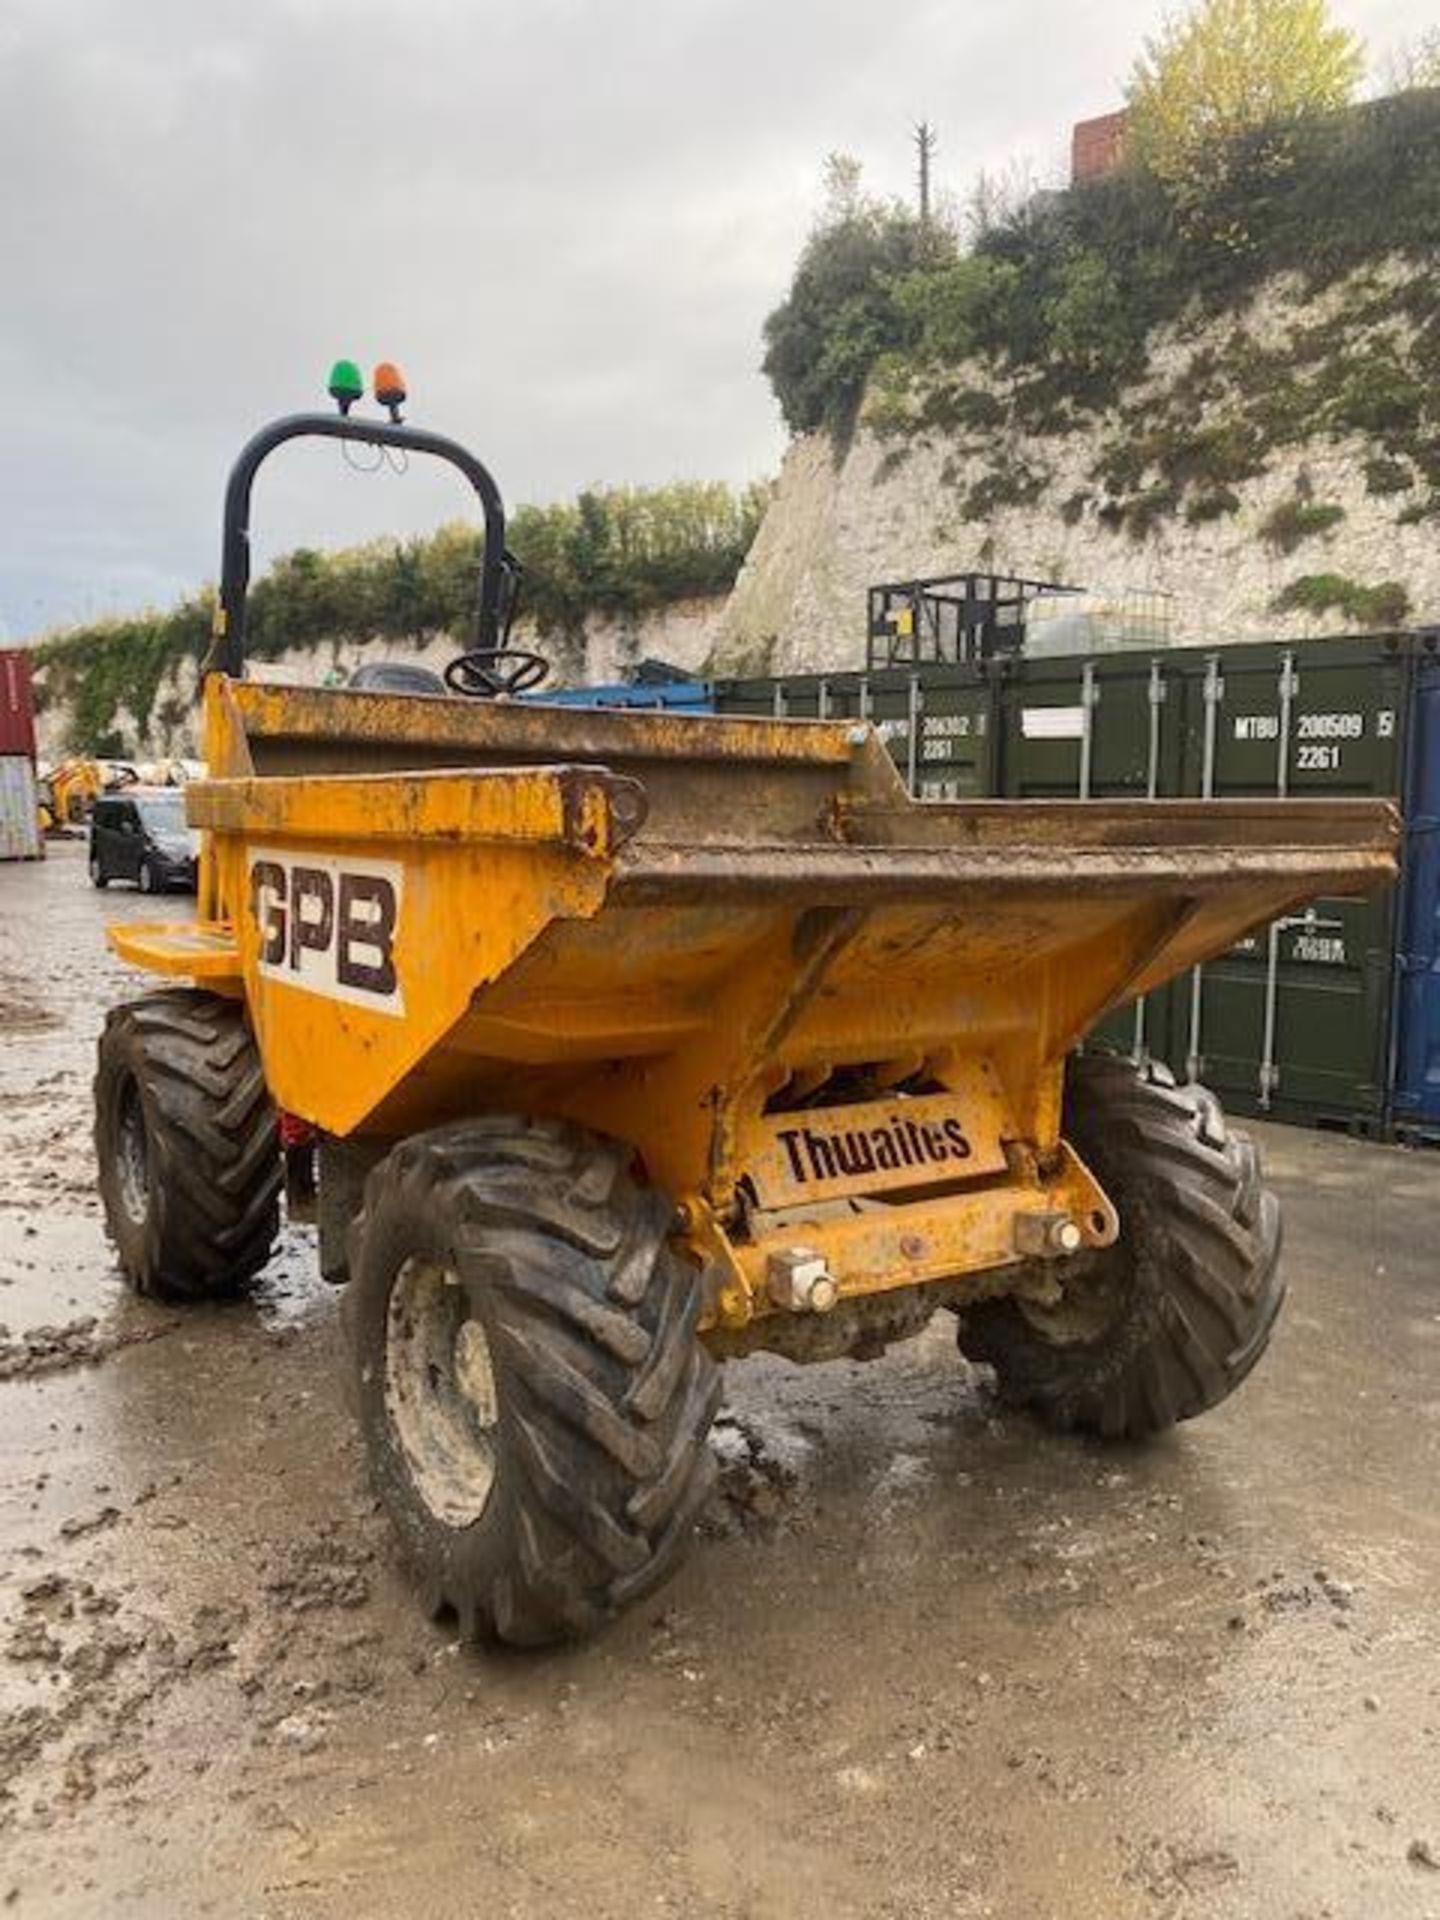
328	925
827	1153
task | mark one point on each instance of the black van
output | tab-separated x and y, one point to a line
141	835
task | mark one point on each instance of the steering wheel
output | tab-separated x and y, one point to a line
496	673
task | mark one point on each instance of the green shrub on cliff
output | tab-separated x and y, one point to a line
1236	172
1046	326
843	311
615	551
1294	521
1385	605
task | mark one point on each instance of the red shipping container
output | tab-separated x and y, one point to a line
17	704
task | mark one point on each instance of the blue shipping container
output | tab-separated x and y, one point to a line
1416	1083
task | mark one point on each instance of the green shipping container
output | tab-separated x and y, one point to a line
1295	1021
1099	728
937	722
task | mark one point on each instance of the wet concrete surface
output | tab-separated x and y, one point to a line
925	1660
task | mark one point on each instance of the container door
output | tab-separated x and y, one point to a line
954	750
1294	1021
19	824
1417	1013
1087	729
17	707
892	702
1099	728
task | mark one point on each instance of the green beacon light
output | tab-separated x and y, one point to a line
347	384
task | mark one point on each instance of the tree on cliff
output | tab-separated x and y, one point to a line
841	311
1214	98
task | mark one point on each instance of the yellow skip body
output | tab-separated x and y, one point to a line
682	931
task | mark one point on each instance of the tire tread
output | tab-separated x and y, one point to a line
606	1393
216	1170
1203	1288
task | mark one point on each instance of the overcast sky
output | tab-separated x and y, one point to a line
566	221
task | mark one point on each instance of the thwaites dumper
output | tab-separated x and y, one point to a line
634	1042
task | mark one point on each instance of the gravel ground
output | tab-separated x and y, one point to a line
924	1660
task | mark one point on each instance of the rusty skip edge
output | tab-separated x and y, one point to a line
584	808
859	820
651	873
512	728
888	850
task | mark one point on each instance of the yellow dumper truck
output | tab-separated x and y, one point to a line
634	1042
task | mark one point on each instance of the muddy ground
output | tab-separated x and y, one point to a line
924	1660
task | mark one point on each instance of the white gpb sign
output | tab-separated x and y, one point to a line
328	925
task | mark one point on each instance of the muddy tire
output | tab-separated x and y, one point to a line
187	1145
533	1397
1170	1320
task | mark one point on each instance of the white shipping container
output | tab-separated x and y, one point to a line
19	824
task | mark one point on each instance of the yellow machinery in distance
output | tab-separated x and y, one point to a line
70	789
636	1040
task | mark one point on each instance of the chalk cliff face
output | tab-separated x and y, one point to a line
681	632
1265	474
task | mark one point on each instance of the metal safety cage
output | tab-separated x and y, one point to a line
950	618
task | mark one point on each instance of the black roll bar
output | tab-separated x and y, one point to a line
498	572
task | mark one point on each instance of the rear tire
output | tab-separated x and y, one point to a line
1170	1320
532	1393
187	1144
98	878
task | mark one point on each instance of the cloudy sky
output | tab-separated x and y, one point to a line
567	221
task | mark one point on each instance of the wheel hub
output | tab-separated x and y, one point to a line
475	1373
440	1391
132	1158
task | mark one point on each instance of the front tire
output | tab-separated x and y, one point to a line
187	1143
1170	1320
532	1393
98	877
149	880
